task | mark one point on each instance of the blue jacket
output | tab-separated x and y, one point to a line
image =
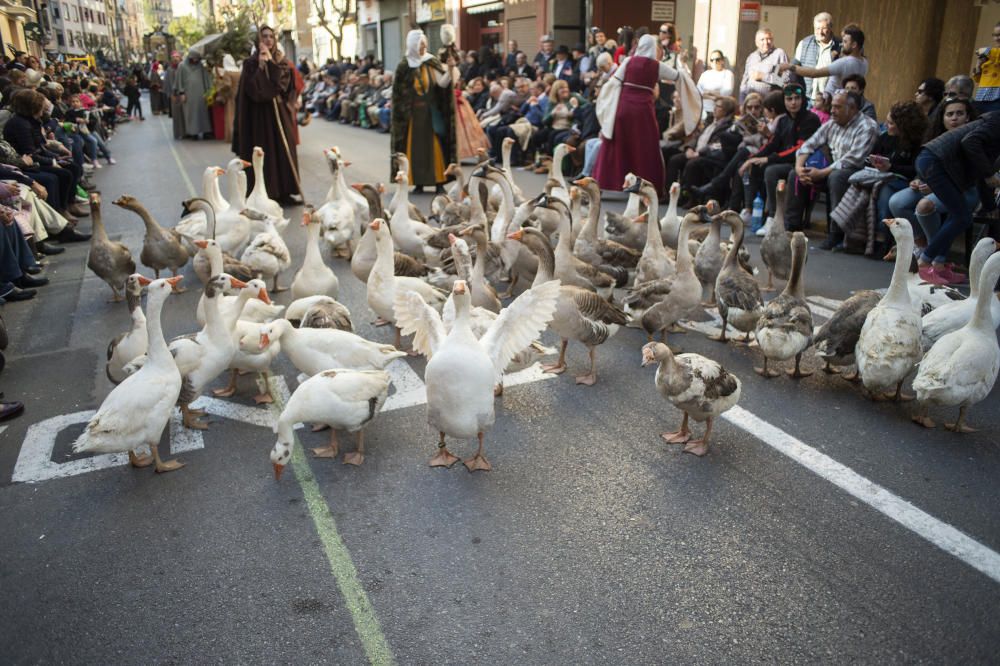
535	114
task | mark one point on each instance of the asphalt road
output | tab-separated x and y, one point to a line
590	541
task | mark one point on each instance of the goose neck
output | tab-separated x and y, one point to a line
157	345
982	318
898	291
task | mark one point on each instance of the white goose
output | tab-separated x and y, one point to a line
196	224
358	201
655	262
315	277
889	345
561	191
251	357
961	368
955	314
151	392
313	350
132	343
337	216
232	227
410	236
259	201
670	225
462	370
342	399
255	310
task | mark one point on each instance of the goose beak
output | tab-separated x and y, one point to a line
237	284
346	163
889	221
145	281
245	164
175	280
997	244
262	295
201	243
517	235
581	182
356	186
265	341
459	287
306	219
647	358
375	224
570	149
642	219
277	471
220	171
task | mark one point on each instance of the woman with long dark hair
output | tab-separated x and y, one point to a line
265	117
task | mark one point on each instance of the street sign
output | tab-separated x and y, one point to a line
662	10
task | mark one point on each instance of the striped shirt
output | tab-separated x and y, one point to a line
766	64
849	145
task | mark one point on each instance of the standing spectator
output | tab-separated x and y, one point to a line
423	120
599	41
628	124
564	68
265	116
582	61
510	60
190	85
987	75
176	109
719	81
132	94
545	54
857	83
816	52
851	61
929	94
626	39
763	67
848	138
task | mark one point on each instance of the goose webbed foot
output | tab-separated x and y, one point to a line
766	372
924	420
230	389
444	457
899	396
163	466
959	426
190	420
381	322
699	447
331	450
139	461
797	372
830	370
357	456
680	436
478	462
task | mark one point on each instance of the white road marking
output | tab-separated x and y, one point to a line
942	535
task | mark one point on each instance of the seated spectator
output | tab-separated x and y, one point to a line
749	124
564	109
821	107
530	116
581	60
16	260
929	94
857	83
471	68
510	60
546	54
952	165
476	94
987	75
848	139
719	81
521	67
890	169
959	86
711	145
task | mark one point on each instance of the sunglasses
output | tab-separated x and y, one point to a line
715	59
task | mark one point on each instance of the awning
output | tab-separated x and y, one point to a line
206	44
485	9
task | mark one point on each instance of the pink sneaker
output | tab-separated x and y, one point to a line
951	276
929	274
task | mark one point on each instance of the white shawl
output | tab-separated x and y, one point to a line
413	57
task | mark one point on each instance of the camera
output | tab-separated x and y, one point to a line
594	30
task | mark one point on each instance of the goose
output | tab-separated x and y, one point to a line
655	263
233	307
708	260
889	345
360	205
109	260
483	293
623	227
575	272
258	221
383	283
588	246
314	277
364	252
161	248
254	310
259	200
736	291
267	255
409	235
549	210
337	215
785	327
203	356
670	225
457	191
952	316
462	368
961	367
401	198
561	190
681	294
210	259
313	350
250	356
581	315
506	147
133	342
327	313
232	227
696	385
928	296
775	249
341	399
151	392
836	339
195	224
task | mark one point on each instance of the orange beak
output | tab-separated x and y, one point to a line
144	281
570	149
460	287
219	171
582	182
642	219
381	188
201	243
237	284
517	235
245	164
346	163
375	224
356	186
306	219
174	281
262	295
277	471
265	340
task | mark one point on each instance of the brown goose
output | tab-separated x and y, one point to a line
785	327
161	248
364	253
588	246
775	249
836	339
110	260
736	290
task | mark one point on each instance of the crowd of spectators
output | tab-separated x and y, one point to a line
55	122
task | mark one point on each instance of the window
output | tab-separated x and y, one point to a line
55	10
60	40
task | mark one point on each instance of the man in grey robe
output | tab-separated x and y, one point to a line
174	106
191	82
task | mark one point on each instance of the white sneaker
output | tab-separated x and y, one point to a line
767	226
746	216
87	167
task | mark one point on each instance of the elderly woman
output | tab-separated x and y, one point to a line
712	142
423	114
628	120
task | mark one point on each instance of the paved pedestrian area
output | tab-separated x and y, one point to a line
820	527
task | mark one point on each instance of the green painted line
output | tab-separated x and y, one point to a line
177	158
366	624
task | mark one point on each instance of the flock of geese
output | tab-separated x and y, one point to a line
435	277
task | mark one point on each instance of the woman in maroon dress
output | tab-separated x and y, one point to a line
630	137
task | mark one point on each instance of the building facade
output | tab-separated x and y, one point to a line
80	27
18	20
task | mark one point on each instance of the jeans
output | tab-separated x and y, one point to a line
904	204
931	223
94	145
954	201
591	150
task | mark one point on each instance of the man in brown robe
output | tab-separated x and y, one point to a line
267	85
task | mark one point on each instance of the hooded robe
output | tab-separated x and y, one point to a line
423	114
192	80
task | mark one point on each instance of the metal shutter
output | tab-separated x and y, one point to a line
523	31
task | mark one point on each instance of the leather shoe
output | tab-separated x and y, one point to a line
71	235
45	248
78	210
9	410
16	294
33	270
26	282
